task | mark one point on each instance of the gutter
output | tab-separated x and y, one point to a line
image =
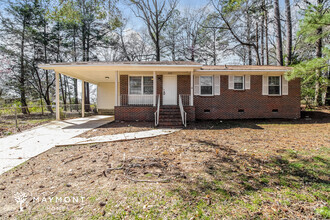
240	70
109	65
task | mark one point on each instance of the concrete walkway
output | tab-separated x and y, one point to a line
118	137
18	148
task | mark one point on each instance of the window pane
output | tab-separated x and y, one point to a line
148	85
206	80
238	85
274	90
274	81
238	79
135	84
206	90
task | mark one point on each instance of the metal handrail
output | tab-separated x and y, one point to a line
183	113
157	112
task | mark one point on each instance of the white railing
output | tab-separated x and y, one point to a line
127	99
157	111
183	113
185	99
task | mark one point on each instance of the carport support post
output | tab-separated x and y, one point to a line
82	98
116	88
57	82
155	88
192	88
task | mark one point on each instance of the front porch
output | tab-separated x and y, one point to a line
145	97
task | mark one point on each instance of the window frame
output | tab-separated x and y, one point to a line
243	87
200	85
280	86
142	84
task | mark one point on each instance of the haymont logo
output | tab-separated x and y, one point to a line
21	197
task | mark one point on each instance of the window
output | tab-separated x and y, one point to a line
206	85
239	82
274	85
139	85
148	85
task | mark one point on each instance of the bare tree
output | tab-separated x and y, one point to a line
288	59
229	25
278	33
155	15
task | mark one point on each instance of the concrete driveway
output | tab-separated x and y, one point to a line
18	148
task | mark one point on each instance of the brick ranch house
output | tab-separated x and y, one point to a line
175	92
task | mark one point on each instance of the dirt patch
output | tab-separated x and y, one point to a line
118	128
25	122
219	169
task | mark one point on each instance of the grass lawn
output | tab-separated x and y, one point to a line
241	169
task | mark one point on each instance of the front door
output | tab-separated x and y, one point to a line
169	90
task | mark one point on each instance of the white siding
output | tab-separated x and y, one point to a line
106	95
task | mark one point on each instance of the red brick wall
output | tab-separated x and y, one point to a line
190	112
183	85
225	106
134	113
123	84
255	104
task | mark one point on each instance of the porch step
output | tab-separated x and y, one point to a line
170	124
169	116
170	120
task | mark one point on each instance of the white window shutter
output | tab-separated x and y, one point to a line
196	85
247	81
230	82
216	84
285	86
264	85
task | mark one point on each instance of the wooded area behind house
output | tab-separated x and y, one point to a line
248	32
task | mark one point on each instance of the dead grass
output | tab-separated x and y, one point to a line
118	128
211	170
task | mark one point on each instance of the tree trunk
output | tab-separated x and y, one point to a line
63	90
278	33
22	79
257	41
288	59
47	96
248	25
266	37
318	71
262	34
75	82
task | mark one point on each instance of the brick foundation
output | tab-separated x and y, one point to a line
134	113
190	112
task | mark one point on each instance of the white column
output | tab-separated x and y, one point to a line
57	79
155	88
192	88
116	89
82	98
